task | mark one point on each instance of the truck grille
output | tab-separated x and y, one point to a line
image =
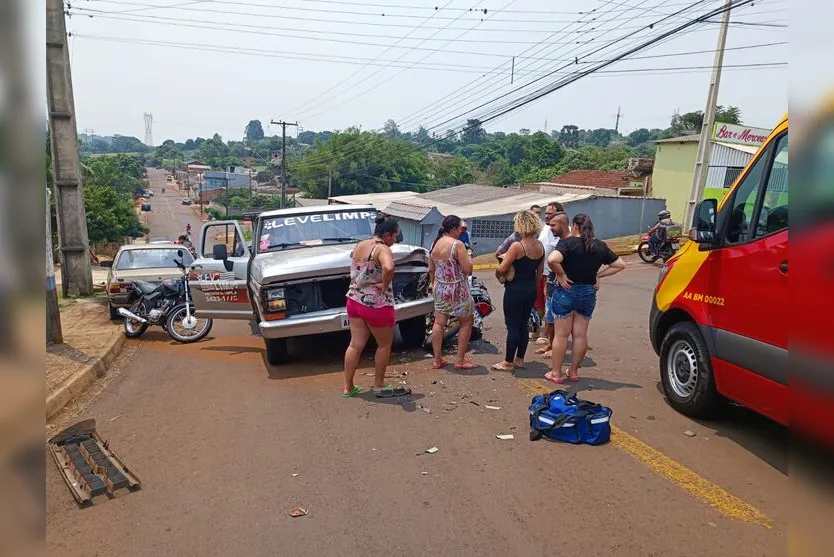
330	294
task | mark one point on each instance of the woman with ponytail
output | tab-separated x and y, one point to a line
449	266
576	261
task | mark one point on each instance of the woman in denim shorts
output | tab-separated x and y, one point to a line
576	261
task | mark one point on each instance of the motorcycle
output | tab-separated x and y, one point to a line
667	249
167	305
483	308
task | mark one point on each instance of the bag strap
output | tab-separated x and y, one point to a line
558	421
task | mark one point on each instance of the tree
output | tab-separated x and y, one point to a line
452	171
307	137
473	133
422	136
542	151
728	115
189	145
264	176
600	137
524	131
170	143
254	131
638	137
569	136
391	129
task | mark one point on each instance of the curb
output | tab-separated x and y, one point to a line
76	384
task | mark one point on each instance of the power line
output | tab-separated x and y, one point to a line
519	103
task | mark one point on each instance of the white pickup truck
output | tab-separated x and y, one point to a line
293	277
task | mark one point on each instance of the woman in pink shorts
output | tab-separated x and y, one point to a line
370	307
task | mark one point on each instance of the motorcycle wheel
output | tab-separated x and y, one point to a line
135	329
645	255
175	327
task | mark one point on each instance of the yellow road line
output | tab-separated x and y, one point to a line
712	494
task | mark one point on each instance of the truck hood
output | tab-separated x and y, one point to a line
323	261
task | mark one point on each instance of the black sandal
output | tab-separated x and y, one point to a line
391	391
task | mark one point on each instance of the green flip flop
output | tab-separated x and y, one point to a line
355	391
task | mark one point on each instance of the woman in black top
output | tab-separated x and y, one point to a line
526	257
576	262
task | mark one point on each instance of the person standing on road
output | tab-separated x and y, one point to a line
370	307
576	262
548	240
449	267
558	228
526	258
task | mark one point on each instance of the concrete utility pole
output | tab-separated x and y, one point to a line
699	181
283	158
54	334
617	123
73	242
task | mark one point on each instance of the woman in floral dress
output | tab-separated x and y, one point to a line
449	267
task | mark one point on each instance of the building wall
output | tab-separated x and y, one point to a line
612	217
674	166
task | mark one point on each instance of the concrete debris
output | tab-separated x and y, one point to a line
295	512
424	409
505	437
424	473
492	407
650	418
295	475
432	450
689	433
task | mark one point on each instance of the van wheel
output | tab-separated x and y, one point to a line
413	331
686	372
276	351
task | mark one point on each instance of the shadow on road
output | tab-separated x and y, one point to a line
760	436
407	403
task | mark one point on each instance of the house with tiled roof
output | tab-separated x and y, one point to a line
608	179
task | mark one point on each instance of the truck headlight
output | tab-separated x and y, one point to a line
275	299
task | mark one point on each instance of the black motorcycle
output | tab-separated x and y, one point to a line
168	305
667	248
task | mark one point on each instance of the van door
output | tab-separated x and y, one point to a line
218	277
747	288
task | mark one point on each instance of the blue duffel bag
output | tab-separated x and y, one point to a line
562	416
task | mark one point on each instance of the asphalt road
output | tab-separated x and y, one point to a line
226	445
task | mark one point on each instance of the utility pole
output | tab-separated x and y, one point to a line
284	158
73	242
699	181
329	184
53	313
617	124
512	72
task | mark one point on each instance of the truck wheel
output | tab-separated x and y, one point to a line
686	372
276	350
413	331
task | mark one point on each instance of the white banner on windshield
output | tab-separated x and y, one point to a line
325	217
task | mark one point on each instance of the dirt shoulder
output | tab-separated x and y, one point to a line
88	334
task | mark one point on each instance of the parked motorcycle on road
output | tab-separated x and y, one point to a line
483	308
167	305
667	249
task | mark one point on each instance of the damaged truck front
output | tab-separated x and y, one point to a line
292	276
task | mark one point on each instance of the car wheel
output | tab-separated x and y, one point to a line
114	312
413	331
276	351
686	372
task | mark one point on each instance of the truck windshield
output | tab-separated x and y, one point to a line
315	229
152	259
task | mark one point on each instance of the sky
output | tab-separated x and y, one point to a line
209	66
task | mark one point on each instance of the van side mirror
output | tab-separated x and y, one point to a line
704	226
220	251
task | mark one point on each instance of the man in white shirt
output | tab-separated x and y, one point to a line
557	226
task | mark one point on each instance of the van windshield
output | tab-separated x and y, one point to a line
315	229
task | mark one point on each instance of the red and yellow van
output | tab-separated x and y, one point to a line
720	314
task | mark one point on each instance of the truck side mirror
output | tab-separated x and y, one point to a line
704	230
220	251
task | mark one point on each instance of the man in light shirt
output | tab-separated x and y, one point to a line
557	227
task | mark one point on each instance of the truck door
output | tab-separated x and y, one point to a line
218	276
747	287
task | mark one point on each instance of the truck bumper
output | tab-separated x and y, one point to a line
330	321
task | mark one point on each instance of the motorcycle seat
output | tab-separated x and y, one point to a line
144	287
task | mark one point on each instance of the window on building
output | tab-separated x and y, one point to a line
490	228
731	175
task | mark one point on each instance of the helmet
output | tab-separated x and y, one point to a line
664	214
